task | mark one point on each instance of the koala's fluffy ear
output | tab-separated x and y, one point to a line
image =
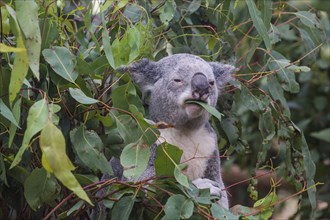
222	73
144	73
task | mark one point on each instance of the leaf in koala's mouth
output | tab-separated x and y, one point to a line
213	111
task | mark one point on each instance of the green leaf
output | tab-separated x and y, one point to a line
228	125
167	163
308	43
274	34
13	128
287	33
194	6
219	212
266	125
149	132
167	157
5	112
106	43
134	159
27	17
213	111
266	205
123	208
309	19
125	95
258	23
39	188
167	11
80	97
251	101
204	196
245	211
89	146
179	176
266	12
62	62
178	207
277	93
309	168
128	48
36	121
21	62
323	135
55	160
76	207
120	5
281	66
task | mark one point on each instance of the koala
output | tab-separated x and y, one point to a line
166	86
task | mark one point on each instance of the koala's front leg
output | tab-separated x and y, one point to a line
215	190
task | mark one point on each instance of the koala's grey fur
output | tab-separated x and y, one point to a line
165	86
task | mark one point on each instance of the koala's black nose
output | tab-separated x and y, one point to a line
200	86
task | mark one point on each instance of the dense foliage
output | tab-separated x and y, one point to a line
64	111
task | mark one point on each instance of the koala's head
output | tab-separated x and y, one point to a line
168	84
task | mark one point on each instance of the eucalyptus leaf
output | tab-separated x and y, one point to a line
55	160
167	157
106	44
213	111
36	121
178	207
179	176
134	159
274	34
219	212
62	61
167	11
80	97
21	62
323	135
13	128
7	113
89	146
258	23
266	204
277	93
27	16
6	49
194	6
123	208
308	18
282	67
309	167
251	101
40	188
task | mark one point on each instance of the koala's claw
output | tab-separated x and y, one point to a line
214	187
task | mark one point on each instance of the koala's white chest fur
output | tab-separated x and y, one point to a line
198	146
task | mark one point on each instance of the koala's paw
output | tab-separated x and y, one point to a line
208	184
215	190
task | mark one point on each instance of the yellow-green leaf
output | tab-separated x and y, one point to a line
27	17
21	62
55	159
6	49
36	121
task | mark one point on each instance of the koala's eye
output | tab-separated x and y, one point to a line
211	83
177	80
